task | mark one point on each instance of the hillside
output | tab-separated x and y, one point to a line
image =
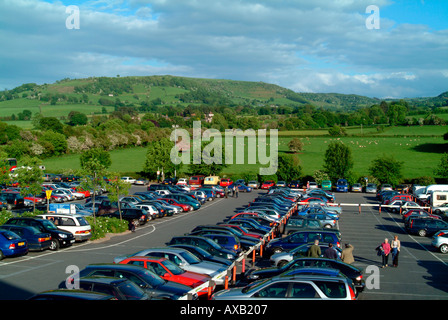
103	94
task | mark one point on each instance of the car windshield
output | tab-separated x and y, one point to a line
173	268
254	286
153	279
131	291
189	257
49	225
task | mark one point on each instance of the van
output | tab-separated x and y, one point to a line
211	180
438	198
430	189
73	223
196	180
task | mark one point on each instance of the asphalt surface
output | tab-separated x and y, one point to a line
419	276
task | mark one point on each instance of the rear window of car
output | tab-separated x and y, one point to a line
9	235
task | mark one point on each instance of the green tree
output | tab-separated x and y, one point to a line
158	158
30	177
55	139
442	169
289	167
295	145
386	169
115	188
336	131
102	156
76	118
338	160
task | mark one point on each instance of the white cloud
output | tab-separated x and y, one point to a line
304	45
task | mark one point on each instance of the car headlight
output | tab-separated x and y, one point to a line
229	256
62	235
254	276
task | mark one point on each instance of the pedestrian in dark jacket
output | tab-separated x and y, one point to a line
331	252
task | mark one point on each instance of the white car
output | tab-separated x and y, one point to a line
440	241
182	181
128	179
76	195
153	212
74	223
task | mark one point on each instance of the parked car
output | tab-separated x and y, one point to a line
300	223
352	272
295	239
119	288
152	211
253	184
205	243
136	215
203	255
170	271
152	284
425	226
59	238
128	179
326	185
37	240
356	187
225	182
371	188
282	258
12	199
74	223
267	184
70	294
440	240
182	181
297	287
342	185
11	244
184	259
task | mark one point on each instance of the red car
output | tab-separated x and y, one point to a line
225	182
244	231
185	207
419	212
267	184
169	271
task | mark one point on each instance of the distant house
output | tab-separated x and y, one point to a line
209	117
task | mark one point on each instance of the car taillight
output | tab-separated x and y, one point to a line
441	233
235	247
352	293
338	244
143	217
12	246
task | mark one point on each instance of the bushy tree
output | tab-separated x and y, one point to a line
442	168
386	169
295	145
338	160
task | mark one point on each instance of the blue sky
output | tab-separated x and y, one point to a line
307	46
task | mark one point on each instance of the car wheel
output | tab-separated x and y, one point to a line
54	245
443	248
1	255
422	233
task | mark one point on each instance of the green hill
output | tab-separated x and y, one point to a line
103	94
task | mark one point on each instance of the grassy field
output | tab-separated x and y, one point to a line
419	149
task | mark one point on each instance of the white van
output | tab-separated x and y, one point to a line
73	223
430	189
438	198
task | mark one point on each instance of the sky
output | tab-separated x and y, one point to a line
398	50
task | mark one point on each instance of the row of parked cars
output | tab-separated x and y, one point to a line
294	275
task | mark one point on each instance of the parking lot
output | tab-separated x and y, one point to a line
419	276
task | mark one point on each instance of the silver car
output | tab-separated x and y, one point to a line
185	260
371	188
282	258
298	287
253	184
440	241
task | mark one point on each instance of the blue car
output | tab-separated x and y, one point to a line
342	185
318	210
11	244
37	240
243	188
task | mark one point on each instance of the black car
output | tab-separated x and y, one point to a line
67	294
204	243
12	199
59	238
152	284
121	289
352	272
203	254
37	240
130	214
425	226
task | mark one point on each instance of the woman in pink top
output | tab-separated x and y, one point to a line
385	249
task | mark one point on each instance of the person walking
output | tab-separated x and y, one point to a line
347	254
236	191
314	251
384	248
395	250
226	191
331	252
